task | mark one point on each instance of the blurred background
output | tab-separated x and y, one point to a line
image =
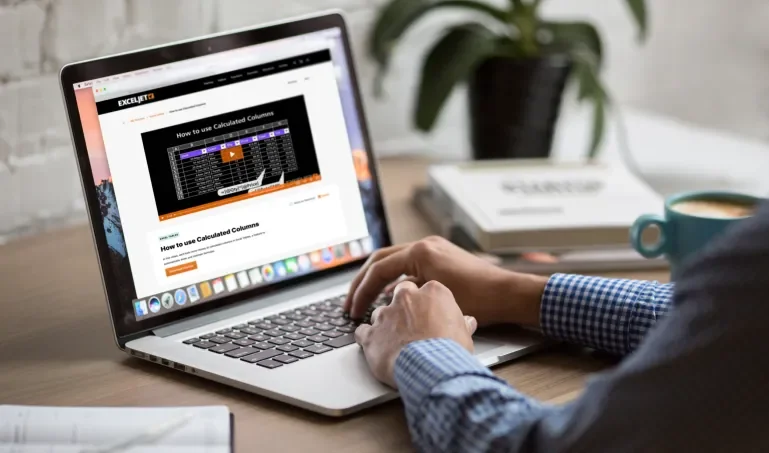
703	71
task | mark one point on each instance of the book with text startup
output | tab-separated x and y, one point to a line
538	205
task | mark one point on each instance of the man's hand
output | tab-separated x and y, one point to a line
414	314
489	293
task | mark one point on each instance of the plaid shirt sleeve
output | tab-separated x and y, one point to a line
453	403
608	314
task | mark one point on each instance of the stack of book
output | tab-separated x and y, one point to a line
541	216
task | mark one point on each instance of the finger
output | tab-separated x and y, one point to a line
376	256
375	315
377	276
362	334
389	289
472	324
402	287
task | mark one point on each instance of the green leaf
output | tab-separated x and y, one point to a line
397	16
591	87
451	61
599	126
638	9
573	37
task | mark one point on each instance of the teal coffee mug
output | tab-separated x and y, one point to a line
691	221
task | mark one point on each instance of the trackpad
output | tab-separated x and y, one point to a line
483	345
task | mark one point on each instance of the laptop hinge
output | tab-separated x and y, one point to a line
287	294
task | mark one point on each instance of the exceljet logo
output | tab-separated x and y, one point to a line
136	100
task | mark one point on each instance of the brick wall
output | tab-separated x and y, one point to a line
706	63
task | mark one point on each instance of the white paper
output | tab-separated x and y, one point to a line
33	429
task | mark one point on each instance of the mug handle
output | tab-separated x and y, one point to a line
636	231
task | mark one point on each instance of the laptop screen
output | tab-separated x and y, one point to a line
223	173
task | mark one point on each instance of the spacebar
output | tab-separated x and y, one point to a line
344	340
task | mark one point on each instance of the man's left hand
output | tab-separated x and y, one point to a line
414	314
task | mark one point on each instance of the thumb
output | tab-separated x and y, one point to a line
471	323
362	333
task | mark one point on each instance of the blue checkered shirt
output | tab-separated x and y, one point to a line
455	404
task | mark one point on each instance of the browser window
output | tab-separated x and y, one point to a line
224	167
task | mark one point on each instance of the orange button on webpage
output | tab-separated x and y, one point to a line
182	268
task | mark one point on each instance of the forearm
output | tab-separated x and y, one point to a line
453	403
608	314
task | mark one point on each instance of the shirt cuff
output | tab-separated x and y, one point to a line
423	365
606	314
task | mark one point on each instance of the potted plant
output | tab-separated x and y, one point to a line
516	65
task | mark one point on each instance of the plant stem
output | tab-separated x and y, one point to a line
524	18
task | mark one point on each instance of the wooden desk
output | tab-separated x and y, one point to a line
56	348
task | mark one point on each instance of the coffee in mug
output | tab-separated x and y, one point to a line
691	221
715	209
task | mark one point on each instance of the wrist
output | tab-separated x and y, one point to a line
522	298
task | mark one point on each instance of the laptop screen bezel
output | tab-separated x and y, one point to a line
112	65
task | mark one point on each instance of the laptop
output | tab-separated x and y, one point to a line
233	194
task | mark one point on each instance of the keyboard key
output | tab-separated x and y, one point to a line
323	307
310	312
332	334
339	322
287	348
204	345
269	364
223	331
273	333
191	340
317	319
348	328
304	324
338	300
250	331
300	343
309	332
296	316
301	354
259	337
286	359
279	341
317	338
334	314
293	336
242	352
263	325
207	336
344	340
236	335
263	345
274	317
240	326
280	322
259	356
244	342
289	329
318	349
221	349
323	327
219	340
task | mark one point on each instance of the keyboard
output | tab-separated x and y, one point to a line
288	337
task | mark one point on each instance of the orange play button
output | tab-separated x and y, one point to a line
231	154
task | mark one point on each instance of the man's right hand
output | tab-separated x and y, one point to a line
489	293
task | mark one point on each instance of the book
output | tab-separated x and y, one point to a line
32	429
539	205
610	258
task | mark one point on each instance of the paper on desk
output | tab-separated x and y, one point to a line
33	429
